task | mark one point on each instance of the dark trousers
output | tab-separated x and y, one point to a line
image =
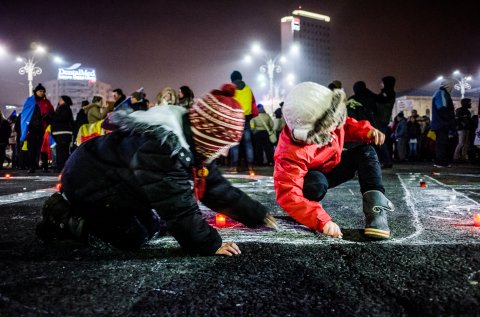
63	148
442	156
3	149
383	151
262	145
361	159
34	144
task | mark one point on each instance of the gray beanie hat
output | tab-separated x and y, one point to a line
313	111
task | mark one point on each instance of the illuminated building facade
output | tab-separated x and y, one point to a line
311	32
77	83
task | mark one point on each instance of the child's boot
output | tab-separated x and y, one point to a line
375	207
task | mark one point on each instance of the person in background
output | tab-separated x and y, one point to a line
118	96
137	101
336	84
167	96
384	106
464	125
244	95
401	137
278	120
5	131
310	159
414	134
365	107
62	131
443	121
262	145
95	111
120	186
185	97
36	114
12	141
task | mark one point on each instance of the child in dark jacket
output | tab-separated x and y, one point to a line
118	186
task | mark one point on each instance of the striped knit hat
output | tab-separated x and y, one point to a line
217	123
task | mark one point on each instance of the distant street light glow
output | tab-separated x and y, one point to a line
3	50
58	60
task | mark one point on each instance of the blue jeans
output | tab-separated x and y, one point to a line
246	143
362	159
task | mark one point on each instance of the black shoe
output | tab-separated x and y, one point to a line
57	222
375	207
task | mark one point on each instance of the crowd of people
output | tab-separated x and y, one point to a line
146	175
45	136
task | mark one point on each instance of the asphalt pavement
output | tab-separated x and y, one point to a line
430	266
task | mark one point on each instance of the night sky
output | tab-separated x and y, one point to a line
198	43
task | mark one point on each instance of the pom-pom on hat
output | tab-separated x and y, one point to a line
313	111
217	123
39	87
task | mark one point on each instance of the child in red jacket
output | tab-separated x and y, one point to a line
309	160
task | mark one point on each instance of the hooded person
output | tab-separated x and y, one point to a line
443	122
309	160
118	186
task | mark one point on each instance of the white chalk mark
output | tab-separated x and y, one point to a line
416	220
19	197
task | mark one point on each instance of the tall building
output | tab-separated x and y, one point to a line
77	83
311	32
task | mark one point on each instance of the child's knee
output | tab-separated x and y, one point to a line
315	186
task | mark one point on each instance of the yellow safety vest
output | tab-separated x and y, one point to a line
245	98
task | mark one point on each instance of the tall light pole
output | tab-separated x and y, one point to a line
30	68
271	66
462	83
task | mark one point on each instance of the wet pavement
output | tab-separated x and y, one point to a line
430	266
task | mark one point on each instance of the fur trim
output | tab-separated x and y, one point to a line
137	123
332	118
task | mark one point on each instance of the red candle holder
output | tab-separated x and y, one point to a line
476	220
423	184
8	176
220	220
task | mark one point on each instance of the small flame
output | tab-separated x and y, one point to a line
58	186
476	220
8	176
220	220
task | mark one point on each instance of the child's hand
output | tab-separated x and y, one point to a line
332	229
270	222
377	137
228	248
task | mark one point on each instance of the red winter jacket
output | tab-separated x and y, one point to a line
293	161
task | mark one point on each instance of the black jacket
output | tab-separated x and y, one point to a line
142	166
62	119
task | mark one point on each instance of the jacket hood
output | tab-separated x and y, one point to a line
161	121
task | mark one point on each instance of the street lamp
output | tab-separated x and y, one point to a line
270	67
30	68
462	83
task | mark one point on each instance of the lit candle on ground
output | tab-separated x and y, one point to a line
476	220
423	184
220	220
